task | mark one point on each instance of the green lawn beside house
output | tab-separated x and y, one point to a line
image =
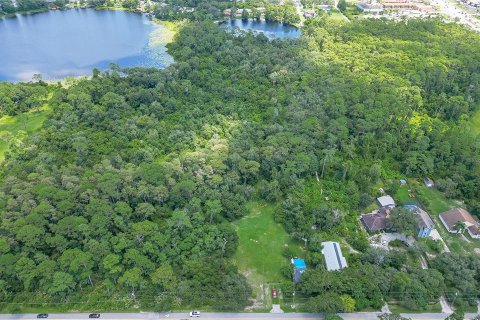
401	195
435	203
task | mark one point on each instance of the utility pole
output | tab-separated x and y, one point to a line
293	299
453	302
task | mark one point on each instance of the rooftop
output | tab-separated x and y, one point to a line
386	201
376	220
424	220
452	216
333	256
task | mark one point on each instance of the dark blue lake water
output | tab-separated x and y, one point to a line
58	44
271	29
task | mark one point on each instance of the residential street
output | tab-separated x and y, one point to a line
231	316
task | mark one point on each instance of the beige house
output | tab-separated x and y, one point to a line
452	217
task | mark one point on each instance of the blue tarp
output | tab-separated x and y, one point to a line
299	267
299	264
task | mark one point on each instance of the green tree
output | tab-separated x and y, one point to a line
62	284
132	279
403	220
342	5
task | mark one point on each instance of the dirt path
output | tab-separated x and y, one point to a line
445	307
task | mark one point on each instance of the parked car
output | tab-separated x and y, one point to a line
274	293
195	314
94	315
42	316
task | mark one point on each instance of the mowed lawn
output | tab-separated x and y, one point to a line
18	127
261	244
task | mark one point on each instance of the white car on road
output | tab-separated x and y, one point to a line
195	314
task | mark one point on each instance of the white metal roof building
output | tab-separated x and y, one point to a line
386	201
333	256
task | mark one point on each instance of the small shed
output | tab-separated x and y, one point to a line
428	182
386	201
299	267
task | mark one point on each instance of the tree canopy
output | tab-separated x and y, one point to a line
132	184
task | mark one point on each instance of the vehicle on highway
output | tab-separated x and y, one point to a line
94	315
195	314
42	316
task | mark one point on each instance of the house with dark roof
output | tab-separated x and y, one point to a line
378	220
375	221
453	217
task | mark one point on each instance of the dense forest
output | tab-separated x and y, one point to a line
8	6
128	191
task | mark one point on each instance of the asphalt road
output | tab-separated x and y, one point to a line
227	316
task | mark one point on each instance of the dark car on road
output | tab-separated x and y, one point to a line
42	316
94	315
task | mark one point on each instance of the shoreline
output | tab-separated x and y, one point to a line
29	12
162	32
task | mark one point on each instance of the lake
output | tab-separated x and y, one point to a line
57	44
272	30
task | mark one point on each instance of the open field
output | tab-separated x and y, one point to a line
15	129
261	244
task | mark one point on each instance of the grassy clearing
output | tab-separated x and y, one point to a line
475	120
434	200
402	195
335	17
15	129
261	244
433	307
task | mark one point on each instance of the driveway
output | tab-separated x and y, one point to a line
436	236
382	240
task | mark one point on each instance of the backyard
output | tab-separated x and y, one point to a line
435	203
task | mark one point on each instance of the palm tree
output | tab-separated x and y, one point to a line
460	226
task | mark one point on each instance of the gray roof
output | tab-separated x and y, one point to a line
333	256
386	201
